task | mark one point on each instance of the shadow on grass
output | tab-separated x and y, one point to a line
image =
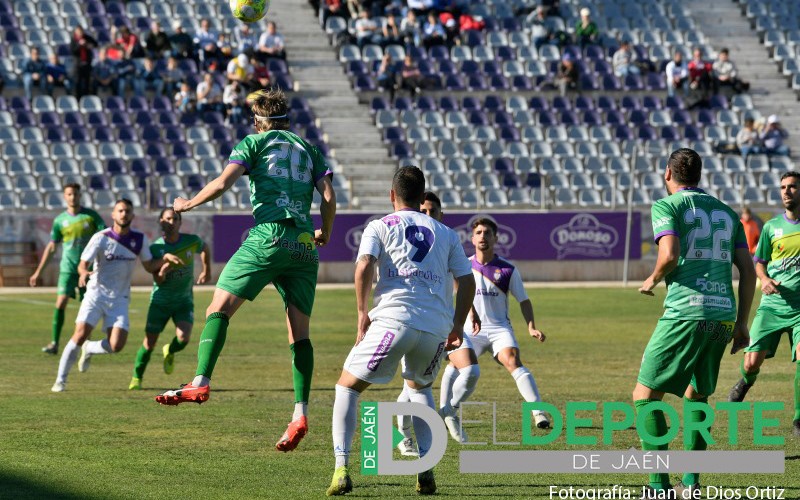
23	488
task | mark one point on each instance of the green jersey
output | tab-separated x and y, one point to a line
283	170
177	284
779	248
74	231
710	232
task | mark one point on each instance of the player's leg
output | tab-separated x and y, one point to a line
655	424
506	352
458	383
83	331
749	369
795	357
115	318
407	446
183	333
142	358
765	335
302	370
344	422
67	282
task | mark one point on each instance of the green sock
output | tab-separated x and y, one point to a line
176	345
656	425
211	341
796	391
142	358
58	323
696	441
749	378
302	369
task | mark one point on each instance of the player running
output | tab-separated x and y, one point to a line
698	238
114	252
172	293
281	248
412	317
777	259
73	227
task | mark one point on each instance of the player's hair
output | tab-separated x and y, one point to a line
791	173
686	166
408	184
165	210
271	109
485	221
73	185
431	196
125	201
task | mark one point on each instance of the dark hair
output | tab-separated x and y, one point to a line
686	166
125	201
409	185
791	173
485	221
431	196
165	210
73	185
724	51
269	103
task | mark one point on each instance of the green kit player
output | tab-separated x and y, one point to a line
281	248
73	228
172	293
778	267
698	238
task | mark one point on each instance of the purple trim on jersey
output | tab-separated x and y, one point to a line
242	163
790	221
691	188
664	233
391	220
132	241
320	176
497	271
759	261
742	245
381	351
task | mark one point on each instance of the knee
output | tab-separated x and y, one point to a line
473	373
751	364
512	363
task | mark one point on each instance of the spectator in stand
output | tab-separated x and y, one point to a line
410	29
551	8
586	32
33	73
224	48
261	79
104	73
233	99
752	230
451	28
699	73
367	31
156	42
568	75
411	77
181	44
332	8
127	43
623	61
433	33
206	40
271	43
245	38
125	70
57	75
148	78
209	95
772	138
240	70
387	75
540	30
172	76
420	7
391	31
356	8
82	46
677	74
184	99
747	139
726	76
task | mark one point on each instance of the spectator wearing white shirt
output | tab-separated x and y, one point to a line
677	74
623	61
271	43
209	95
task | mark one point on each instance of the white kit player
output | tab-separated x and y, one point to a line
412	319
496	279
113	253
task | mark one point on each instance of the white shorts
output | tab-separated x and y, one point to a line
495	339
376	357
113	312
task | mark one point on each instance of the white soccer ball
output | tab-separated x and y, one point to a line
249	11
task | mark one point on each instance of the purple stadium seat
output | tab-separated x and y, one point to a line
221	133
242	131
364	83
438	52
498	82
151	134
57	134
98	181
213	118
655	81
493	102
189	119
538	103
521	83
547	118
356	68
144	118
62	50
393	134
478	117
49	119
646	133
470	67
504	53
285	82
277	66
162	166
610	82
574	51
138	103
195	182
96	119
718	102
104	134
682	117
502	117
533	180
670	133
8	21
14	36
561	102
503	165
181	150
706	117
615	117
508	133
638	116
116	166
403	103
584	102
510	24
591	117
448	103
120	118
140	167
378	102
174	133
188	66
114	8
674	102
476	82
491	68
569	117
19	103
594	52
114	103
470	103
447	67
416	53
606	102
651	102
473	38
455	83
401	150
142	24
167	118
633	82
103	34
692	133
425	103
5	7
510	180
298	103
128	134
628	103
155	150
623	133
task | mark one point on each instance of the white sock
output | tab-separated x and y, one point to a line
98	346
345	420
404	421
300	410
465	384
68	358
201	381
526	384
421	429
446	391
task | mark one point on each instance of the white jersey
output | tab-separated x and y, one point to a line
415	258
114	258
493	282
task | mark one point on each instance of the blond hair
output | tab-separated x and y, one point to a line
271	109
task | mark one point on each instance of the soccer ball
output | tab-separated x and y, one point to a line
249	11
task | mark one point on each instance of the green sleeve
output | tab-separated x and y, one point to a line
321	168
55	233
200	245
764	249
664	221
242	154
739	237
99	223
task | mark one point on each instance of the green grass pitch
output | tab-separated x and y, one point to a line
100	441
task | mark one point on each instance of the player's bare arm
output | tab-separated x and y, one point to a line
768	285
465	294
212	190
747	288
48	252
526	307
669	251
154	265
473	314
365	272
327	210
83	273
205	258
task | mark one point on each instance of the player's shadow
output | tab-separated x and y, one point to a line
20	488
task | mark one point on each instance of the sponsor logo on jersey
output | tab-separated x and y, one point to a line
711	286
497	274
413	272
710	301
663	221
778	232
110	255
584	235
381	351
484	291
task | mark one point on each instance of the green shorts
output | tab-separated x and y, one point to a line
158	315
67	283
683	352
277	253
767	329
